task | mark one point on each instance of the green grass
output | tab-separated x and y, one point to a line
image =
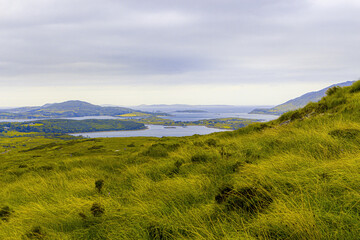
221	123
293	178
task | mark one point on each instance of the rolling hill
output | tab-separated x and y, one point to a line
70	126
73	108
298	102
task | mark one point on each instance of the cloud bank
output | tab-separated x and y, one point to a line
178	42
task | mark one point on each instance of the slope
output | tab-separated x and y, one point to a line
296	177
298	102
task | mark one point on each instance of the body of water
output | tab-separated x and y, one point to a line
177	114
154	131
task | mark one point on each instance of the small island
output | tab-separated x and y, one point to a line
191	111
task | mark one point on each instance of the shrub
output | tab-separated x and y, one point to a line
332	90
334	101
260	126
285	116
321	107
310	107
99	184
295	115
97	210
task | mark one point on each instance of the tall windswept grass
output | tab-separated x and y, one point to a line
293	178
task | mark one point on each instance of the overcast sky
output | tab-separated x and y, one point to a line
129	52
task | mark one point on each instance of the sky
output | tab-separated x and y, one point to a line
130	52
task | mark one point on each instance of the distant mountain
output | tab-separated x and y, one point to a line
298	102
171	108
72	108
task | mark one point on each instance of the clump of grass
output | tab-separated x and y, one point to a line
5	213
211	142
290	116
157	232
225	153
96	147
251	154
131	145
83	216
201	157
46	168
224	192
161	150
36	233
249	199
97	209
99	184
236	166
41	147
345	133
176	168
157	150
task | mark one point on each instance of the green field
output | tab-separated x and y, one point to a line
64	126
293	178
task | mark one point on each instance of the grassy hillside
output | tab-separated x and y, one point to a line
299	102
293	178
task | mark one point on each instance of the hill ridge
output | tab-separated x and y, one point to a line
300	101
71	108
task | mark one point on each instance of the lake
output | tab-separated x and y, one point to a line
154	131
177	113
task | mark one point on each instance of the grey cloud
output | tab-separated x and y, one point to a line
164	42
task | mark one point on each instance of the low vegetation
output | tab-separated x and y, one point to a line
70	126
221	123
293	178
